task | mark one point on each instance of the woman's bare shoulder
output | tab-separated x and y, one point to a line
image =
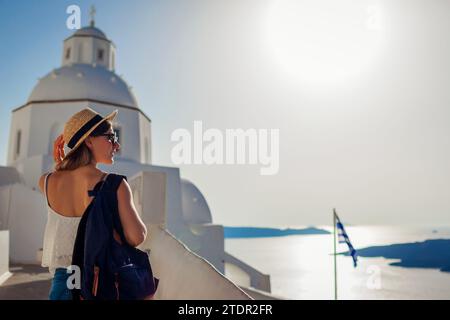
55	175
42	181
76	176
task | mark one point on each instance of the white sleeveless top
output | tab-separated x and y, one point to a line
59	238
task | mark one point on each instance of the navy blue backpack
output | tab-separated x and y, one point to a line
110	268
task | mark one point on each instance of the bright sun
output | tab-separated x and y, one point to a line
324	41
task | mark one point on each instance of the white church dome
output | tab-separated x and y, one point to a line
90	32
83	81
195	207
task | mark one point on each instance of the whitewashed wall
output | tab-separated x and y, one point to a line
4	254
149	195
145	139
26	220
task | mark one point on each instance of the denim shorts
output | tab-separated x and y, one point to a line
59	290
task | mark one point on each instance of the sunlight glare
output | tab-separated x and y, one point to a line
324	41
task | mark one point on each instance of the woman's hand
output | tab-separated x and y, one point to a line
58	149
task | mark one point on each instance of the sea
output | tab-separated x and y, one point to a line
302	266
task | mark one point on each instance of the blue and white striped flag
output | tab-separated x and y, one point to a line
343	238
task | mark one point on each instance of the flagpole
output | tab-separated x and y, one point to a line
334	245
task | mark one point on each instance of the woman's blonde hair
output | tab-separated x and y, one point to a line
82	156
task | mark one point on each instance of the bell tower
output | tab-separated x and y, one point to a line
89	45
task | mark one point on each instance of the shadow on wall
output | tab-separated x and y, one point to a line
427	254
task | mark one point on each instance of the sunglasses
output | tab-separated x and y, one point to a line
112	137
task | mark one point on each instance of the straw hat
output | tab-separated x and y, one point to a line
81	125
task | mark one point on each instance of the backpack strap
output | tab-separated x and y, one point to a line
113	185
104	180
116	181
98	186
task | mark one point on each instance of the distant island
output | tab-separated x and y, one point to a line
433	253
256	232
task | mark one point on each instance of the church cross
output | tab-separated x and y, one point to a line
92	14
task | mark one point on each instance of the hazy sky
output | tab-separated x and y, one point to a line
359	91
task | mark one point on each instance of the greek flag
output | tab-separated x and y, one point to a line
343	238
